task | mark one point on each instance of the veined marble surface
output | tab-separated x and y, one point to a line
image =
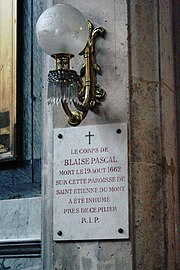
20	219
21	264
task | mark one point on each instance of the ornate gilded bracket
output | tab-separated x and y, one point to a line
89	91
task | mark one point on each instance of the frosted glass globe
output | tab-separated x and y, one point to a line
62	29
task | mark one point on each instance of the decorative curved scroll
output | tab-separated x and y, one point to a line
90	93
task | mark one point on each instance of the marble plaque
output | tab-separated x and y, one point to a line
90	183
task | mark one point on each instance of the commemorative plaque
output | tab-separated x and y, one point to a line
90	179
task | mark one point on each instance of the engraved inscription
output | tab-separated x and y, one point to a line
90	184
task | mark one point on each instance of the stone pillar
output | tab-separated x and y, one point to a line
112	56
139	85
176	39
145	137
153	148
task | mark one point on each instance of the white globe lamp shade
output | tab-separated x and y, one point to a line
62	29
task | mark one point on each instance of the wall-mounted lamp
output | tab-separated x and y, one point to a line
62	32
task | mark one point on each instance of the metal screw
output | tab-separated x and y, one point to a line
118	131
120	230
60	136
59	233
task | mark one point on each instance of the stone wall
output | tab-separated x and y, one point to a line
136	58
137	64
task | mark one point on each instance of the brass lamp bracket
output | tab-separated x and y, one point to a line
89	91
